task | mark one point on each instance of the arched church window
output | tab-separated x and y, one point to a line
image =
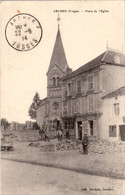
54	81
58	81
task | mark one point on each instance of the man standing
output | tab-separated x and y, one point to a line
41	132
60	135
46	135
85	144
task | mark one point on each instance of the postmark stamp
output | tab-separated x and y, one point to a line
23	32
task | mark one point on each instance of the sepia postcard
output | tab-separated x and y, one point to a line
62	97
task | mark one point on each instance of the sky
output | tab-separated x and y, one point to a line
85	34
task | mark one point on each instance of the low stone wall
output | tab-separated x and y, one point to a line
26	135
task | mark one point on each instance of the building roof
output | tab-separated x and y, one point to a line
58	56
118	92
42	102
108	57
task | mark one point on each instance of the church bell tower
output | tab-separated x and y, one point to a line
57	68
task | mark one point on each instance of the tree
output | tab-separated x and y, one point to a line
5	123
34	106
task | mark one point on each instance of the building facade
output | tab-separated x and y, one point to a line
83	89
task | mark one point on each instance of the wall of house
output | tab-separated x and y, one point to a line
40	115
109	117
112	77
82	98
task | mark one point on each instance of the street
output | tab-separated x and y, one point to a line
26	179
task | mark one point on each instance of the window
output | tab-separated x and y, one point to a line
69	108
64	108
58	81
116	109
54	81
65	125
69	125
79	106
69	89
112	131
79	86
90	82
91	127
75	107
90	103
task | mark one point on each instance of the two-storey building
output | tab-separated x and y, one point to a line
83	88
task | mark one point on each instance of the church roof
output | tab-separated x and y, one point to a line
108	57
58	56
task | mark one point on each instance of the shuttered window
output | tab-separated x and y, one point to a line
90	82
116	109
78	86
90	103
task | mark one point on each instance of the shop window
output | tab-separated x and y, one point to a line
90	82
116	109
69	125
112	131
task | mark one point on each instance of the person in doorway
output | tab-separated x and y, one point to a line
85	144
67	134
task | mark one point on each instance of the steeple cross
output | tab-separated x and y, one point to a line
58	19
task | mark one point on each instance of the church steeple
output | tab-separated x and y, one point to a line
58	56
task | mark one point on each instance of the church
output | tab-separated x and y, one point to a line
75	98
50	108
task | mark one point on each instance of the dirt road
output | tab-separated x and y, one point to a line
26	179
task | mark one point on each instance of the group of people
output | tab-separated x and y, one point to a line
45	136
59	134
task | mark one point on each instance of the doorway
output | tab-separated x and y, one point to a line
122	132
79	130
91	127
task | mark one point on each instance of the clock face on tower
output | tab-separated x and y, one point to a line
55	106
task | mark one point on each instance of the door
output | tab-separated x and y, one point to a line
80	130
122	132
91	127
